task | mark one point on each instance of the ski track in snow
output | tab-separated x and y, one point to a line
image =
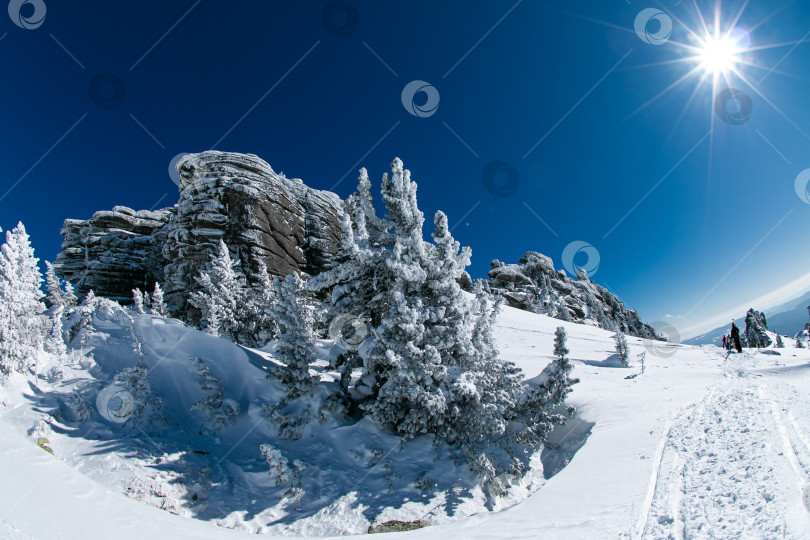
727	465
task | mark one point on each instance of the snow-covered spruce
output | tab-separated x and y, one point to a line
218	410
295	345
157	306
622	349
230	306
559	380
30	337
429	365
224	299
138	301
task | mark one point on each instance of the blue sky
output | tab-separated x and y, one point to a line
690	215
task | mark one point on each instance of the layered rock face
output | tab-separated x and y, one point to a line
534	285
114	251
259	214
238	198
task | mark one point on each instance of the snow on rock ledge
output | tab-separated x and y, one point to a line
260	214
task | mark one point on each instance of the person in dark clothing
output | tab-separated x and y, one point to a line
735	336
725	346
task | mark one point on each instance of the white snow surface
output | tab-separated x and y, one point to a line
703	444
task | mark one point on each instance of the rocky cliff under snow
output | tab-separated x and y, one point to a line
264	216
260	214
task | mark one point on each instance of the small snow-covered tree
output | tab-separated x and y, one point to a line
54	296
69	295
779	343
223	298
559	381
135	380
137	301
158	307
264	298
295	348
279	465
799	343
622	349
22	325
219	410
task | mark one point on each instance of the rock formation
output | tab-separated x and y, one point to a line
114	251
534	285
237	197
264	216
755	328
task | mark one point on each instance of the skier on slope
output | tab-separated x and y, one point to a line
725	346
735	335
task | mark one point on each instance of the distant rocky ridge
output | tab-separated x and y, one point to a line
264	216
534	285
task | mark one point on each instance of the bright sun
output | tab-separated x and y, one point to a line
718	55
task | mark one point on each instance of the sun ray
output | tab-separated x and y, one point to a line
660	94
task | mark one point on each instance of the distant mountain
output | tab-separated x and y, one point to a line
787	319
790	318
715	337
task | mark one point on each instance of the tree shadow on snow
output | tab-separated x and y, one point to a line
612	361
563	443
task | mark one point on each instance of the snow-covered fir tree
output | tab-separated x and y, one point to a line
559	381
295	347
137	301
158	307
264	298
779	343
69	295
224	299
135	380
54	295
622	349
22	325
428	364
219	411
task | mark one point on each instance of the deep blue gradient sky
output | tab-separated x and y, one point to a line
719	230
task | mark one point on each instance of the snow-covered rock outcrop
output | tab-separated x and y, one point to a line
755	329
534	285
260	214
264	216
114	251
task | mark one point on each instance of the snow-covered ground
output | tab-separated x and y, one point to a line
703	444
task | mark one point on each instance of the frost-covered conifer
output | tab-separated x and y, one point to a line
278	464
219	410
137	301
22	325
295	348
622	349
559	382
263	300
779	343
158	307
69	295
54	296
135	380
428	363
223	298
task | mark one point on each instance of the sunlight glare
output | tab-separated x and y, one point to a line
718	55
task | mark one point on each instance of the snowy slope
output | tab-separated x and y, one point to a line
700	445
